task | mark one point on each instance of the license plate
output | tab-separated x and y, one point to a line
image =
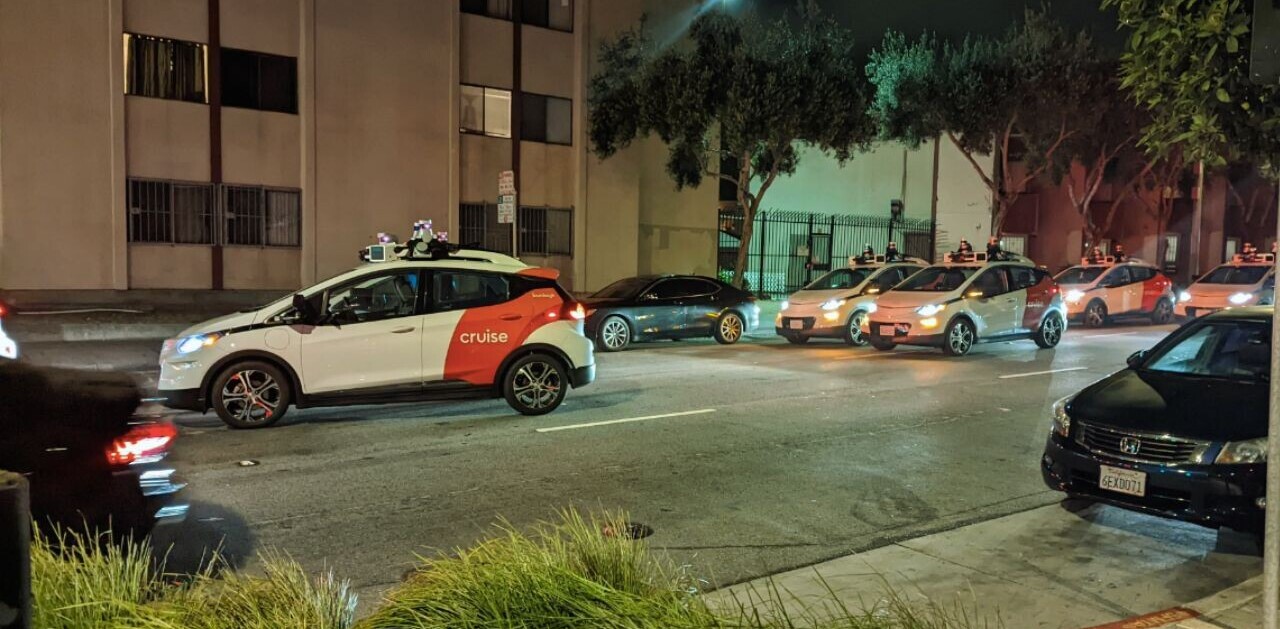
886	329
796	324
1122	481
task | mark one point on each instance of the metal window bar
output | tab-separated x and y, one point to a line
479	227
243	215
170	212
533	230
560	231
284	218
790	249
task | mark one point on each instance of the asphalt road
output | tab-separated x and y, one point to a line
768	457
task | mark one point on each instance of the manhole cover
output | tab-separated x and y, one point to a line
628	530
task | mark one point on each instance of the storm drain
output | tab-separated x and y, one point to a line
628	530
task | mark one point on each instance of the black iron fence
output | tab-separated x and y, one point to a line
790	249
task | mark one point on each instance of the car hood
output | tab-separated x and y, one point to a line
804	297
1070	287
1217	290
219	324
1208	409
912	299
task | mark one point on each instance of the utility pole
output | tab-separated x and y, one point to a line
1197	221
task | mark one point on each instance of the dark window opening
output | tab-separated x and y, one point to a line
255	80
546	119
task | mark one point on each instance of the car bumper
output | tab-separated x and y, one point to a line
184	399
582	376
1209	495
1194	312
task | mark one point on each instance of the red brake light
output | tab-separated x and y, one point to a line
4	310
142	442
577	312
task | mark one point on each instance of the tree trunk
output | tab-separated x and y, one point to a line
744	246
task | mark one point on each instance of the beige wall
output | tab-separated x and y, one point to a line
482	158
170	266
177	19
546	175
263	25
60	162
257	268
678	228
964	202
486	54
261	147
863	185
546	61
383	137
167	139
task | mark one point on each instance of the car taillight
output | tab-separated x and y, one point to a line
143	442
577	312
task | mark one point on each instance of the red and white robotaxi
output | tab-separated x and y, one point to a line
1101	288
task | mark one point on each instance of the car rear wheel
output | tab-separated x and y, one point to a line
1095	314
882	344
1050	332
614	335
730	328
252	394
1163	312
535	384
959	337
853	330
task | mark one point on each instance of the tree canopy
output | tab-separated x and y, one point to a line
751	90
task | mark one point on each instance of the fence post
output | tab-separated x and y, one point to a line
831	243
15	552
764	224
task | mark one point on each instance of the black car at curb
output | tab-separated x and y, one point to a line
1180	433
653	307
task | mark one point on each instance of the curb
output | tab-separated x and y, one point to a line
89	332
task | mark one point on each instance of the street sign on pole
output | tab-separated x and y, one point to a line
507	182
507	209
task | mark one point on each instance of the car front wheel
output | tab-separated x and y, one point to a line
251	394
535	384
730	328
853	331
1163	312
1050	332
882	343
1095	314
959	338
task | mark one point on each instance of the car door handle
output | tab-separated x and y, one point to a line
511	317
403	330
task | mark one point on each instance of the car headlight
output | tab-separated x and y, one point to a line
869	308
1184	296
1241	299
196	343
1061	421
1251	451
1075	295
930	309
785	304
832	304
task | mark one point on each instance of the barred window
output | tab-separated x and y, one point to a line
479	227
170	212
165	68
254	215
546	231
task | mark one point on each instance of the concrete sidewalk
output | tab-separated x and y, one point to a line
1067	566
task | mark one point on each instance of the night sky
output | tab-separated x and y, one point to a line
953	19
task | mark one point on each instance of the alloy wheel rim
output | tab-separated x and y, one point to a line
615	334
1052	330
1162	311
251	396
537	385
961	339
855	328
1095	314
731	328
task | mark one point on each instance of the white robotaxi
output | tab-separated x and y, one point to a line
836	305
1101	288
969	300
1246	280
8	346
420	321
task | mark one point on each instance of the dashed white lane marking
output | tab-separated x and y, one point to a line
625	421
1040	373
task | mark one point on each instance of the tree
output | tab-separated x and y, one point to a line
742	88
1016	96
1187	61
1159	184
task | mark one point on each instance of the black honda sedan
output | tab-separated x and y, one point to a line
1181	433
651	307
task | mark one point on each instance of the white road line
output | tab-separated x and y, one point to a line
625	421
1098	336
1040	373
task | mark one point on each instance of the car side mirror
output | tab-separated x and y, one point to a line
1135	359
306	310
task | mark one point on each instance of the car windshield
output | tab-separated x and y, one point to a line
1228	274
839	278
938	279
1222	349
1080	274
629	287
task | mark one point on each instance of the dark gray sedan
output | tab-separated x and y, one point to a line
651	307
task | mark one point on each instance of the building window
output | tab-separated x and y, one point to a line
556	14
258	216
1169	253
546	231
170	212
1014	243
546	119
479	227
255	80
165	68
500	9
485	110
